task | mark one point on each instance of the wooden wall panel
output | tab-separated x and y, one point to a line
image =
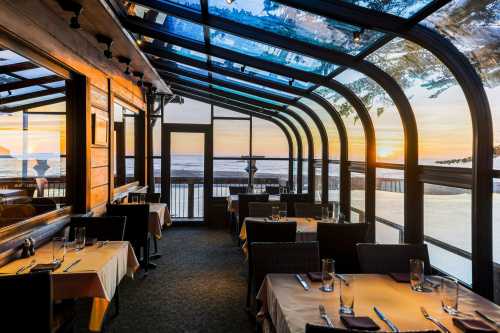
99	157
99	196
99	176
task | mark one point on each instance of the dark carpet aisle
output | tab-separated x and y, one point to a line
198	286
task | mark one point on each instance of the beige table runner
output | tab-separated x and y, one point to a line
97	275
290	307
306	229
159	216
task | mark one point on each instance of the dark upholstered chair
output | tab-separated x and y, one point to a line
264	209
391	258
136	229
103	228
258	231
234	190
296	257
307	209
338	241
292	198
30	304
324	329
243	200
218	216
273	190
43	205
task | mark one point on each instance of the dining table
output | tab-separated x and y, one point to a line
93	272
287	306
306	229
159	216
232	202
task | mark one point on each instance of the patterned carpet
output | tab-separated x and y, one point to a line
198	286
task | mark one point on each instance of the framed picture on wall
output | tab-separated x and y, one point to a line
100	125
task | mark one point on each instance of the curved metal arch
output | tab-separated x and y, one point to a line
317	121
473	89
270	118
303	124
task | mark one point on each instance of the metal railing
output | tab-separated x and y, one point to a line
55	187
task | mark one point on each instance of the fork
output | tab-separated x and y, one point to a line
434	320
322	313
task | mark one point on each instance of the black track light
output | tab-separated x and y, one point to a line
140	75
126	61
242	68
102	39
75	8
290	82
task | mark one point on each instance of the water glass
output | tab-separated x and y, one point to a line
327	275
346	287
448	291
282	214
336	211
417	277
325	214
275	213
79	238
58	249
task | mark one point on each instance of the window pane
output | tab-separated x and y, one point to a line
403	8
229	173
270	53
447	214
440	108
268	139
312	127
389	204
294	23
231	138
357	197
221	112
189	112
334	182
270	173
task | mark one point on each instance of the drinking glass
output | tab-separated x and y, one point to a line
58	249
275	213
417	275
79	238
448	291
325	214
346	286
336	211
327	274
282	214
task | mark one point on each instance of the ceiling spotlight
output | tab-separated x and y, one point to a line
126	61
9	92
356	36
290	82
242	68
229	1
71	6
106	41
140	75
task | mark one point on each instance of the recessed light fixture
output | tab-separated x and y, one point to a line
71	6
356	36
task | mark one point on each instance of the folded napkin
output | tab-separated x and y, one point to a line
359	323
315	276
472	326
400	277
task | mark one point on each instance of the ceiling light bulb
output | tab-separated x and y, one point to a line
229	1
356	36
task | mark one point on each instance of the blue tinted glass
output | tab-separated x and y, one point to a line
186	68
188	79
297	24
251	85
270	53
403	8
171	24
186	52
193	4
254	72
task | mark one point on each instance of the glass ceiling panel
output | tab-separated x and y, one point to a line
294	23
186	52
30	101
57	84
270	53
259	73
7	79
251	85
7	57
34	73
193	4
171	24
403	8
21	91
187	68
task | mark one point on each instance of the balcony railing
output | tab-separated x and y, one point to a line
55	187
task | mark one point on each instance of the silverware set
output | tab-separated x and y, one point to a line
324	315
382	317
434	320
302	281
27	267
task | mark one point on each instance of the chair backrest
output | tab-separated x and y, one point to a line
338	241
103	228
325	329
136	228
233	190
308	209
264	209
217	212
296	257
258	231
273	190
29	302
244	199
152	197
43	205
292	198
391	258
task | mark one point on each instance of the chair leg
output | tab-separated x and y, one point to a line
155	254
147	264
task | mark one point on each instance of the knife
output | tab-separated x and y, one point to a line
324	315
488	319
341	277
74	263
302	281
385	320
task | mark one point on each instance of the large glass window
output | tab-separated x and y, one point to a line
188	112
447	219
125	141
231	138
357	197
32	142
389	205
